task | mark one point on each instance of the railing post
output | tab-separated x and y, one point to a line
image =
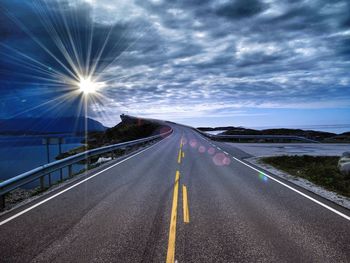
70	172
60	140
49	180
2	202
42	183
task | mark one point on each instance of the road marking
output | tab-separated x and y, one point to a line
186	211
75	185
172	231
183	154
179	157
293	189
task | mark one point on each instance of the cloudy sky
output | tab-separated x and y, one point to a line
201	62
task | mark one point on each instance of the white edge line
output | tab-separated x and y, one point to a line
293	189
72	186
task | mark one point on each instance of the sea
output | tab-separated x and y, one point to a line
19	154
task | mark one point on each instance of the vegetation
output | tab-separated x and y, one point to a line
321	170
128	129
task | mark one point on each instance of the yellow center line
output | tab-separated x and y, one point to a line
172	232
186	211
179	156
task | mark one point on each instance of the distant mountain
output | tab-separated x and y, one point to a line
310	134
48	125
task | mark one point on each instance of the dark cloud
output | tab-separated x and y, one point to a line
239	9
201	57
258	59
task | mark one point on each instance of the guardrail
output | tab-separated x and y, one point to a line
41	171
258	137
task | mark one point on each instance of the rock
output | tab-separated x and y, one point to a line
18	195
344	164
104	159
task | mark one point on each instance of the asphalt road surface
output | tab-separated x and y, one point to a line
183	199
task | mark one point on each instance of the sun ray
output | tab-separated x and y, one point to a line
81	59
37	63
37	41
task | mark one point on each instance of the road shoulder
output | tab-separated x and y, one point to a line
307	185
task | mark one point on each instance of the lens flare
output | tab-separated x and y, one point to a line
211	150
87	86
262	177
221	159
201	149
193	143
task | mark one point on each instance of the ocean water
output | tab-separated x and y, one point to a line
215	132
19	154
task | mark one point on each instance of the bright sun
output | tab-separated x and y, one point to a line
86	85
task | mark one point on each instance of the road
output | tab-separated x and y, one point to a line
184	199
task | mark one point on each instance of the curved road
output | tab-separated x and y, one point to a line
183	199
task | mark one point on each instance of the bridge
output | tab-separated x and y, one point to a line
183	198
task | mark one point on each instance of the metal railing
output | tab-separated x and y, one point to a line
258	137
41	171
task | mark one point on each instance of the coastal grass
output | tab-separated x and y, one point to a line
321	170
